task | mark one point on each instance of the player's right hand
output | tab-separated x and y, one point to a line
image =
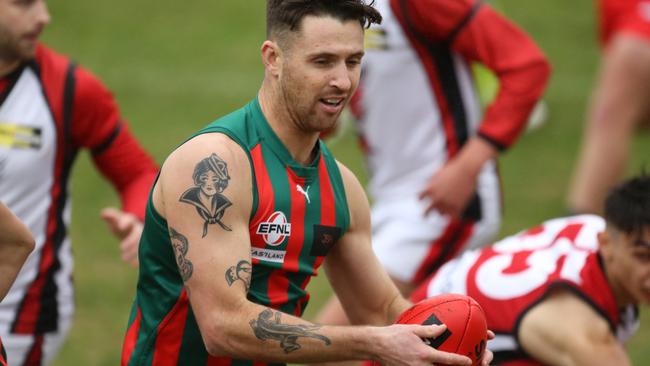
128	229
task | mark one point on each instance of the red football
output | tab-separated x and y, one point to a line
466	332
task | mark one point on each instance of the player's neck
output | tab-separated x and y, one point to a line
299	144
622	297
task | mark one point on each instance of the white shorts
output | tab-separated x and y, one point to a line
35	350
411	246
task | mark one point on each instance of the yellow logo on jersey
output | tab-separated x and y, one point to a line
375	39
19	137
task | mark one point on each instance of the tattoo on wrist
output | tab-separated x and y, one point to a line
181	246
241	272
210	179
268	325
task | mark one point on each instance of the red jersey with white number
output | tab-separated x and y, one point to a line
50	109
516	273
417	103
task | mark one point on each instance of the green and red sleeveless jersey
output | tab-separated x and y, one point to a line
298	213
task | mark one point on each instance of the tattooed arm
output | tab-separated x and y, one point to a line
16	243
205	194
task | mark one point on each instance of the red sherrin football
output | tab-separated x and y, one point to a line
466	332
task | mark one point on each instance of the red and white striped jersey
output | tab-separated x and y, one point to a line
417	104
516	273
49	110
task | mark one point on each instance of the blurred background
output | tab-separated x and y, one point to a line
175	66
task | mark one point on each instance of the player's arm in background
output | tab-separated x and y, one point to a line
482	35
98	126
16	243
564	330
229	323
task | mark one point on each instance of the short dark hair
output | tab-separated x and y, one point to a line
627	206
287	15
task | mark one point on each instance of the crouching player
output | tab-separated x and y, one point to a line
565	292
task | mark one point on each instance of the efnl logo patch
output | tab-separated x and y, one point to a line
324	239
275	229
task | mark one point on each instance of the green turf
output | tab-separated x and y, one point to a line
174	66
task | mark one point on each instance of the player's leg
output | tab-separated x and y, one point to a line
619	105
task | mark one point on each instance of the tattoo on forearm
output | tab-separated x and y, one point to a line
210	179
241	272
181	245
268	326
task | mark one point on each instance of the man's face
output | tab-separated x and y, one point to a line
321	66
21	23
627	261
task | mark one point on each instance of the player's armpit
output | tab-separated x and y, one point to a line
565	330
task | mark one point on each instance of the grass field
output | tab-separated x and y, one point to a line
175	66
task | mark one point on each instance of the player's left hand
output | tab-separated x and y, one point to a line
450	189
126	227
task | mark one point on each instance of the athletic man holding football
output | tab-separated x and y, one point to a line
223	270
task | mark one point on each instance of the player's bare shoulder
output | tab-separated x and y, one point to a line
350	180
210	172
356	197
561	325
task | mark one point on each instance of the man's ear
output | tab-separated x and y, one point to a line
272	57
605	243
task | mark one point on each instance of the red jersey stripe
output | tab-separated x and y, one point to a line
303	300
3	361
170	334
35	355
265	195
327	202
278	288
297	237
218	361
27	318
131	338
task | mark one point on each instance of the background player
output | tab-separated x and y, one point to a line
564	292
50	109
430	153
619	105
245	211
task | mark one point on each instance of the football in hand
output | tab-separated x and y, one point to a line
466	332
